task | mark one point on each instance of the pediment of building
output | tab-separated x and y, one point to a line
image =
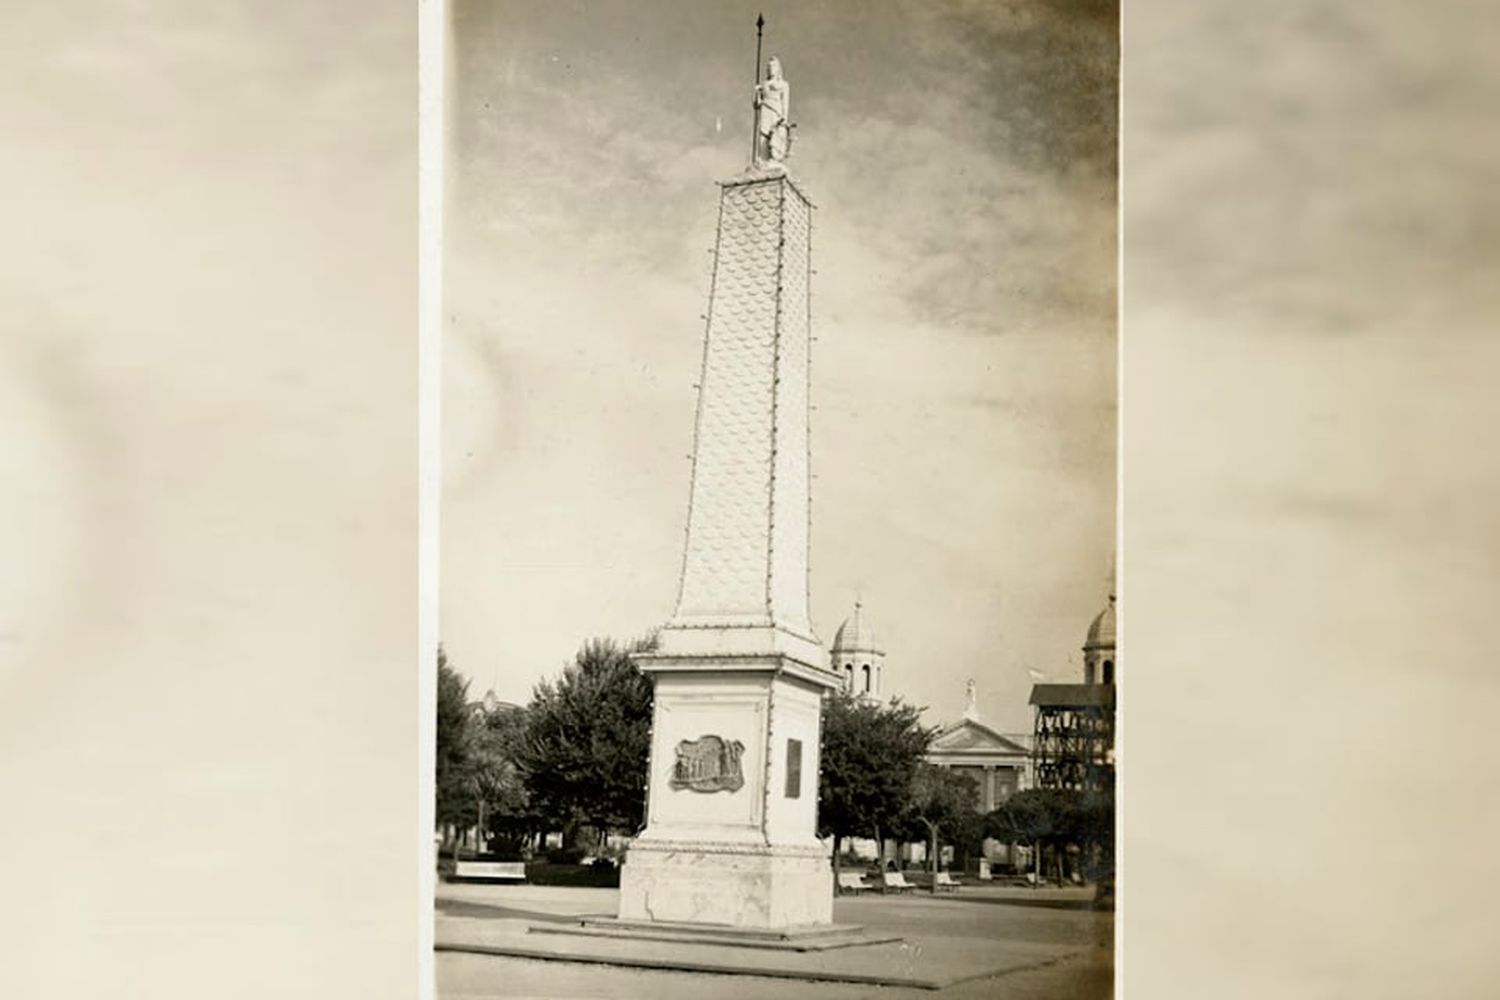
967	736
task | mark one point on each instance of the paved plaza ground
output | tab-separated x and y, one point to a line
981	942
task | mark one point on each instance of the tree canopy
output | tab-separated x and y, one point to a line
1036	816
1057	818
584	752
477	778
454	798
941	807
869	760
492	771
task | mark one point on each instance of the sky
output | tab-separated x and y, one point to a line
962	161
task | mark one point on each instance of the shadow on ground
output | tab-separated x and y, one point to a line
1084	905
463	908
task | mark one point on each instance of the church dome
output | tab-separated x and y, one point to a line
1102	631
855	634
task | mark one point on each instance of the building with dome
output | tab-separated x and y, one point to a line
1099	647
857	657
1073	742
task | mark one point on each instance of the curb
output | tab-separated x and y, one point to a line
687	965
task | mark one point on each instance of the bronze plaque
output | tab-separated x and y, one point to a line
793	769
709	764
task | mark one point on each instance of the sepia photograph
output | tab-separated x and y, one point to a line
778	500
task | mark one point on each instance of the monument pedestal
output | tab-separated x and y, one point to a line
733	789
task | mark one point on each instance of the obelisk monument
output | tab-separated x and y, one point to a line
739	676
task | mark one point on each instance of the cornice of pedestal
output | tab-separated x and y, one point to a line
771	665
740	636
684	646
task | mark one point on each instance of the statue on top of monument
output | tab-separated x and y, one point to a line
773	109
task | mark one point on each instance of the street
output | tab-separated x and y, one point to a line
1052	944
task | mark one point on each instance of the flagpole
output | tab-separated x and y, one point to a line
760	24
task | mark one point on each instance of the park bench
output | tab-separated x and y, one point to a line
502	871
853	882
895	882
945	881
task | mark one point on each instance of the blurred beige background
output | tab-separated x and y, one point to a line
207	640
1311	232
208	451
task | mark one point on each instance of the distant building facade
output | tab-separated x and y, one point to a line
490	704
997	763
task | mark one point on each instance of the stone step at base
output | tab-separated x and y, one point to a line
819	937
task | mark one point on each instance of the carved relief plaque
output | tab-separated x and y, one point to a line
709	764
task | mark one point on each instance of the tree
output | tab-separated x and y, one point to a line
454	795
1025	818
478	783
869	759
941	801
1096	831
584	752
492	773
1042	817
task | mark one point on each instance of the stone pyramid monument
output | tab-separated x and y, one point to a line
730	839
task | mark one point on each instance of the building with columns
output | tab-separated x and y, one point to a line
999	764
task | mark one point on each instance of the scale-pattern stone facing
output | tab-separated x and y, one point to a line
746	556
790	500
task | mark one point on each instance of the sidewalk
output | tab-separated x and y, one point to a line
976	933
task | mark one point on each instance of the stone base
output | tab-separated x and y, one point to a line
735	886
